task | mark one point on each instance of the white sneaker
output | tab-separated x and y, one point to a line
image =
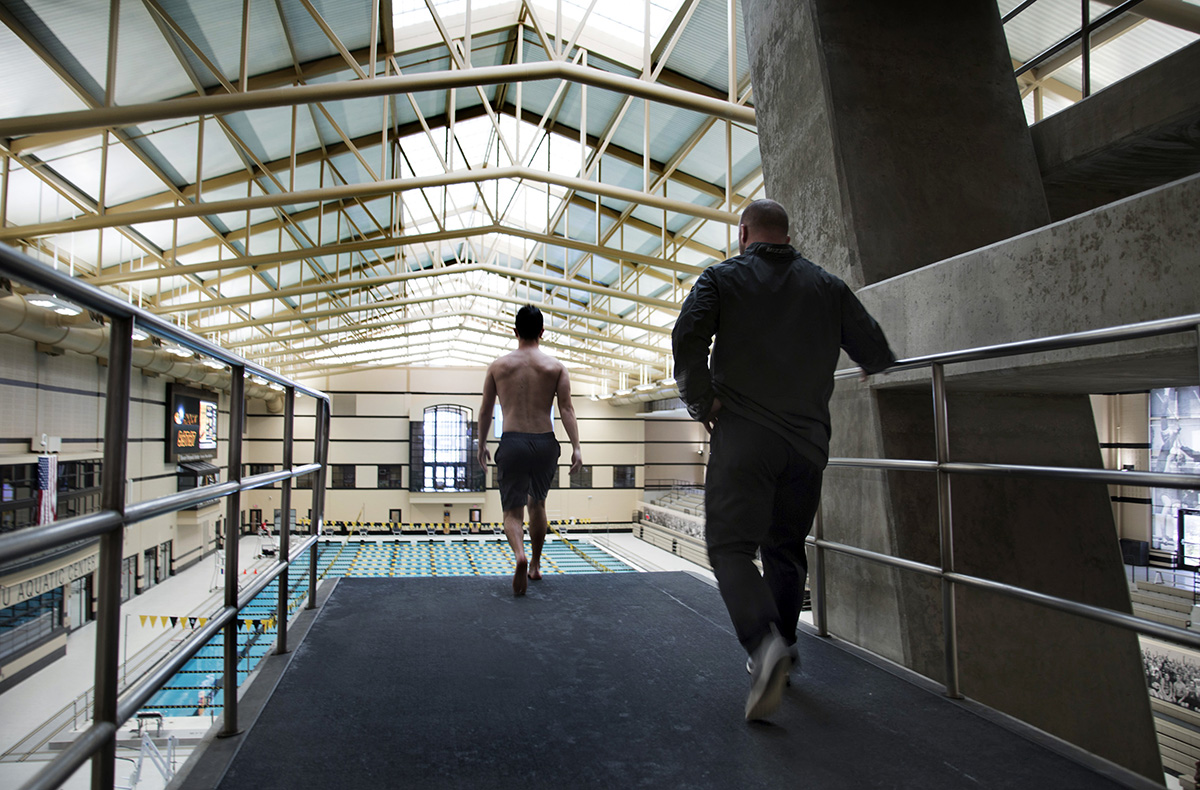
770	671
793	651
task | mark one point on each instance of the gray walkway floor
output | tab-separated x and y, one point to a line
601	681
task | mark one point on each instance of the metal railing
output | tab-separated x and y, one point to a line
668	484
944	468
111	710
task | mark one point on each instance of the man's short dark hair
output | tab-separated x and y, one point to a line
767	217
529	322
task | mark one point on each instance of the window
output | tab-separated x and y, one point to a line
304	481
166	552
390	476
582	478
443	454
624	476
150	566
30	622
18	505
78	492
341	476
128	578
554	480
260	469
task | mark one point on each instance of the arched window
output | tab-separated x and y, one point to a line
443	451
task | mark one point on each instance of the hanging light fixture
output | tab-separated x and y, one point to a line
55	303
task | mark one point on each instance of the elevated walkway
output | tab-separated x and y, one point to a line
601	680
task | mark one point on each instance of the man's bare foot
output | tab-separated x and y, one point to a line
535	570
519	578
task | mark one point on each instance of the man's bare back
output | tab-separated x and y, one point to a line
527	381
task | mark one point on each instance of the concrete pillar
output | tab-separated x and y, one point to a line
901	127
893	134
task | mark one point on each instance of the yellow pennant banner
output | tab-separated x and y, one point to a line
250	623
172	621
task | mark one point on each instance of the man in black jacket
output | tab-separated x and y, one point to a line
780	323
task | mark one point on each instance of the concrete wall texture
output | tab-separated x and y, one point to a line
894	136
885	176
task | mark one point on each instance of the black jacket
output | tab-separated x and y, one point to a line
780	322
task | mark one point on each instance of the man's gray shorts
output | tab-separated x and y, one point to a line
527	462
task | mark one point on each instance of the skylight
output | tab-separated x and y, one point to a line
615	28
520	205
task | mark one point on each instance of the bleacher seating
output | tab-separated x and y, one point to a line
683	500
1162	603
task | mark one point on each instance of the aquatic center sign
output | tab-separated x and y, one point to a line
12	594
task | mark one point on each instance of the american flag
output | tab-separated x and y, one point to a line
47	488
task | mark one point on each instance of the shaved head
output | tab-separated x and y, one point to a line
763	220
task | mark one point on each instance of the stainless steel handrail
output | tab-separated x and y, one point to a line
98	742
944	468
134	699
23	543
93	738
1091	337
1098	613
1078	474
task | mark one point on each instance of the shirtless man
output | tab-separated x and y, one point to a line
527	382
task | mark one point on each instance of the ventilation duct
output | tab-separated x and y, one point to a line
642	394
79	334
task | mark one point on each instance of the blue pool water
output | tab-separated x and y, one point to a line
196	690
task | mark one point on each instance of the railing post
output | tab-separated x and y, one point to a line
285	527
321	456
108	610
233	516
941	434
818	577
1085	49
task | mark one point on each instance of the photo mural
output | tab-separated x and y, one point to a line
1175	448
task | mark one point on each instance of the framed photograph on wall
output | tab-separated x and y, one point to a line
1172	673
1175	448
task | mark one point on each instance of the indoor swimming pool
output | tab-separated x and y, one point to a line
196	690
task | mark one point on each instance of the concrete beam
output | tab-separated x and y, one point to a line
1139	133
1131	261
868	188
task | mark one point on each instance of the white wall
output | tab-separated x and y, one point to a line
676	449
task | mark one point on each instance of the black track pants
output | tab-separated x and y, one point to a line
760	494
